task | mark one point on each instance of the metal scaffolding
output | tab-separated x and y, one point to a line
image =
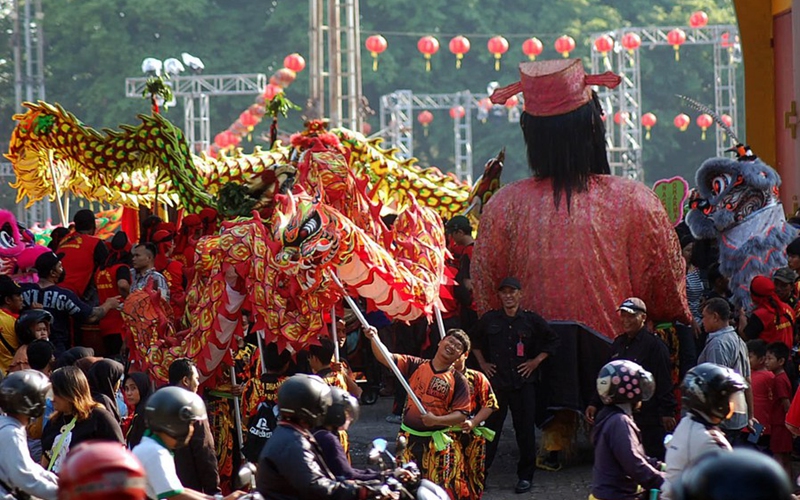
625	139
28	48
397	123
335	25
196	90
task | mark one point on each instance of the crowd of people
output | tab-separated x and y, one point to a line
570	244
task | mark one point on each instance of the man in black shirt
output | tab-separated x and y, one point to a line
510	345
638	344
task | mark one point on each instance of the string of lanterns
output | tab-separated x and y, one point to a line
532	47
229	139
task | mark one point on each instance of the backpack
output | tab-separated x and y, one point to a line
259	430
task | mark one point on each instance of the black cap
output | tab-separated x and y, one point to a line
46	262
510	282
458	223
8	287
785	274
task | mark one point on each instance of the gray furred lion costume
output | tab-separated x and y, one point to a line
737	203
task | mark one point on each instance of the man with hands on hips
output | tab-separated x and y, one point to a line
510	345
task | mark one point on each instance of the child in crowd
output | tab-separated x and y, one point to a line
762	385
33	324
781	439
621	466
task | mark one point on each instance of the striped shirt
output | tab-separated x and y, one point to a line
140	281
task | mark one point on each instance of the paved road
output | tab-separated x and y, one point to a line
570	483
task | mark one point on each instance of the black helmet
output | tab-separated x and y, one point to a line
305	398
24	393
29	318
742	474
707	389
623	381
343	405
172	410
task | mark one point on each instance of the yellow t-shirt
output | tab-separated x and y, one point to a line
7	322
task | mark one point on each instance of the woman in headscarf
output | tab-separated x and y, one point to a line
104	378
137	387
772	320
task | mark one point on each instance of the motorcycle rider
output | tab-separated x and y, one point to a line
99	470
709	395
169	416
620	463
22	398
341	413
742	474
291	465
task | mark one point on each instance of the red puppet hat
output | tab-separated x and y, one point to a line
554	87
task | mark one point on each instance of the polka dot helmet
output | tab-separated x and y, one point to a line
623	381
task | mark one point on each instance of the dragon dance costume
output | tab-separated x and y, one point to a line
473	444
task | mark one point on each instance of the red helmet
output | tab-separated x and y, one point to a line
100	470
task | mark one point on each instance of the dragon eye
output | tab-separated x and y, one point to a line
720	183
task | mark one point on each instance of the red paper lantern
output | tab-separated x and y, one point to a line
248	120
294	62
428	45
727	120
512	102
564	45
725	40
649	121
604	44
498	46
283	77
485	104
631	41
704	121
375	45
676	38
682	122
620	116
366	128
457	112
425	118
459	45
698	19
271	90
222	140
532	47
235	139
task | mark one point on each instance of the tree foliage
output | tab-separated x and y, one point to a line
92	45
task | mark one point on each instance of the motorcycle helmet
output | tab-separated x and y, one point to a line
27	319
97	470
172	410
709	389
305	398
741	474
623	381
24	393
344	405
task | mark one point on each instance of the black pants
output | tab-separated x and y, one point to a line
522	403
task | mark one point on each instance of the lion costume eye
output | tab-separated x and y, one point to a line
720	183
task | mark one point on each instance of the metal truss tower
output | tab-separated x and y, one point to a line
28	48
625	139
335	37
397	123
196	90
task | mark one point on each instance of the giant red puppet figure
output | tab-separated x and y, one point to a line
579	239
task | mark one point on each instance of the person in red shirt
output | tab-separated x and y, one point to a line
114	279
781	439
772	319
763	383
83	254
171	269
444	393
